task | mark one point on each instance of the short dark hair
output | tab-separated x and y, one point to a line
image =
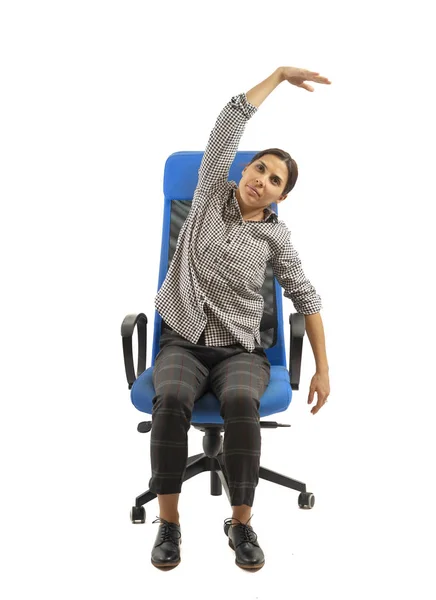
290	163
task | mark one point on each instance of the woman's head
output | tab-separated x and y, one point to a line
272	173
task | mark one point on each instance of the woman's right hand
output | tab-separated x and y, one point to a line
298	76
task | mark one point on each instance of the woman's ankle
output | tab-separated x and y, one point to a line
170	517
168	507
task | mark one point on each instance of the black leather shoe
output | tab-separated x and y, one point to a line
243	541
166	549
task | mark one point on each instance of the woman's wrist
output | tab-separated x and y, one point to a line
263	89
280	74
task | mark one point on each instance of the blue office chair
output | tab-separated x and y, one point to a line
180	180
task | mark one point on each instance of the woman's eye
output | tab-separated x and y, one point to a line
276	181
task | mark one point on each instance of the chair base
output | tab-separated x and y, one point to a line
212	460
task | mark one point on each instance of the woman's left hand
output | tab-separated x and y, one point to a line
298	77
320	383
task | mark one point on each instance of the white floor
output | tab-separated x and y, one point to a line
369	534
345	547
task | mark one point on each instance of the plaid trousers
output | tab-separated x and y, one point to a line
182	373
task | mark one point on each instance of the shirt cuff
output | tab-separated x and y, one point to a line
241	103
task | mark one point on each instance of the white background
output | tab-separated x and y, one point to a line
95	96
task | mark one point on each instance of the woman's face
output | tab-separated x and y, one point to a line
263	182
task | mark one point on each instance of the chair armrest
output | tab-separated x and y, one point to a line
127	328
297	326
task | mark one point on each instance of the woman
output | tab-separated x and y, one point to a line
211	309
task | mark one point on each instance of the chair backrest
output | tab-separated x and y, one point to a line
180	181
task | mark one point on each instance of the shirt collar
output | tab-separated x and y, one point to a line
271	216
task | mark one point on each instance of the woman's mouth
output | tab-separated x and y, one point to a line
252	191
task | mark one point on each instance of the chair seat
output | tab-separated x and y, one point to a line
276	398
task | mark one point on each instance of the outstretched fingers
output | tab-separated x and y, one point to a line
307	87
320	79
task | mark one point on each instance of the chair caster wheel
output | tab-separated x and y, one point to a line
306	500
137	514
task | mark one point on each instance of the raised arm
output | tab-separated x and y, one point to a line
263	89
225	136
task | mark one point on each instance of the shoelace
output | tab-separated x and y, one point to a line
168	531
248	534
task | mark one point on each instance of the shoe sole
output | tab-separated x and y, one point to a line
243	565
165	566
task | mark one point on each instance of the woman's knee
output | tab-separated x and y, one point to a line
171	402
240	404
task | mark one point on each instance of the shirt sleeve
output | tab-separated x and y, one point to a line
287	269
224	141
